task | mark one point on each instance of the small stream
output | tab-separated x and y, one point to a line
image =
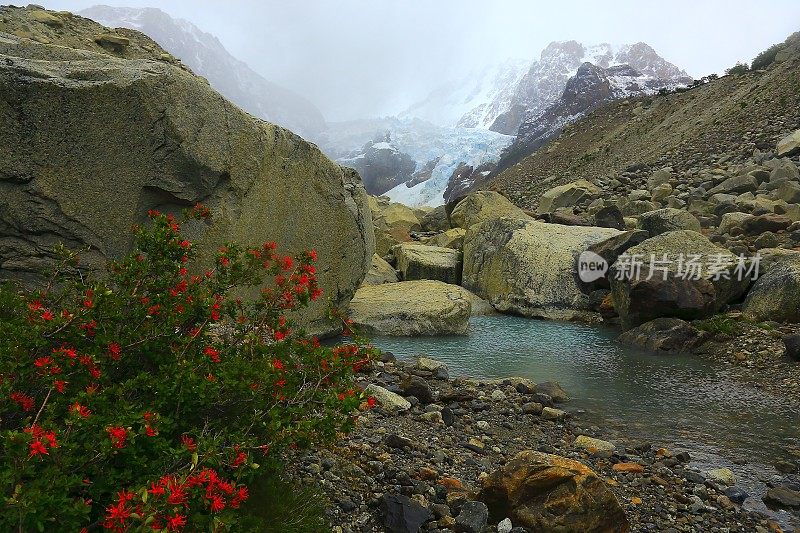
682	402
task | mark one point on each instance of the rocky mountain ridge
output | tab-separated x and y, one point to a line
207	57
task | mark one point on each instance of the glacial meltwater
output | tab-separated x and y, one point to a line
682	402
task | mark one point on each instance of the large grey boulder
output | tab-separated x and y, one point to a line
412	308
776	294
528	267
392	223
674	286
420	261
789	145
666	335
567	195
91	137
736	185
667	219
483	205
380	272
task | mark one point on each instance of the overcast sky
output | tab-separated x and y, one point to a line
357	58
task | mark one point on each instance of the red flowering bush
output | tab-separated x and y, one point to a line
150	398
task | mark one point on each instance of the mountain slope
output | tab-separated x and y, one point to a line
726	119
205	55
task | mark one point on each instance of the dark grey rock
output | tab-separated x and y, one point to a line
402	515
472	518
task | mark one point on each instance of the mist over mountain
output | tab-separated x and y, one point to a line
206	56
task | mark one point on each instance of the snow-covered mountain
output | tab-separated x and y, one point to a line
207	57
437	152
544	84
474	100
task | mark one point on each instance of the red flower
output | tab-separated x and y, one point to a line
277	364
188	442
175	523
114	350
313	255
212	353
241	495
81	410
59	385
217	503
37	448
371	402
156	490
47	315
279	335
35	305
23	400
118	435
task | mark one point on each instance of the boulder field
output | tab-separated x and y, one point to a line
94	132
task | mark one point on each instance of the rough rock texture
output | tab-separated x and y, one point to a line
392	222
668	219
638	299
419	261
552	494
481	206
452	238
664	335
527	267
93	137
789	145
411	308
435	220
380	272
566	195
776	294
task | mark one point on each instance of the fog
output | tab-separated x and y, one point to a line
362	58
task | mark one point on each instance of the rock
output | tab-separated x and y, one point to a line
388	399
664	335
504	526
736	495
89	141
659	177
789	145
527	267
667	219
410	308
480	307
782	498
695	295
419	388
593	445
393	440
112	40
791	344
419	261
498	395
736	185
435	220
567	218
392	223
39	15
661	192
552	494
437	368
380	272
452	238
401	514
610	249
776	294
532	408
609	217
551	413
789	191
723	476
472	518
567	195
732	220
628	468
482	206
552	389
783	169
756	225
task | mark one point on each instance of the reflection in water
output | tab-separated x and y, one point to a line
677	400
